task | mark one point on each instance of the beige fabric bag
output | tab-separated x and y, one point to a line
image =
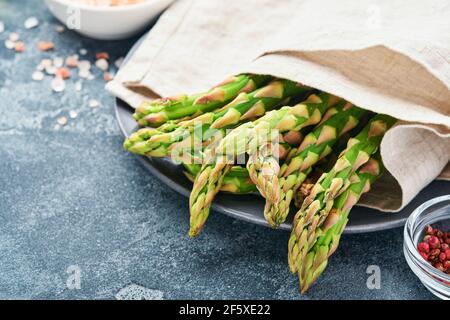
387	56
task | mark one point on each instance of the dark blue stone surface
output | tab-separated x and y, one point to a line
73	197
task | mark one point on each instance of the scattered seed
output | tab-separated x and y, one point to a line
119	62
10	44
78	86
60	28
58	84
58	62
40	67
45	45
62	121
102	55
83	51
107	77
85	74
84	65
46	63
51	70
73	114
2	27
19	46
37	76
72	61
102	64
14	36
63	73
31	22
94	103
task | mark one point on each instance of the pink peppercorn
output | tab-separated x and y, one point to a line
439	266
424	247
447	254
429	230
434	254
434	242
447	265
435	248
424	255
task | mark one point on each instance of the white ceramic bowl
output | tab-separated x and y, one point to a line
107	23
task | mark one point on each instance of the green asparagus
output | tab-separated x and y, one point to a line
263	164
191	135
329	233
318	204
236	181
157	112
322	166
316	146
242	140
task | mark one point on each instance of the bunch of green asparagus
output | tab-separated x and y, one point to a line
288	142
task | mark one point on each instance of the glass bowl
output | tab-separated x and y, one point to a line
435	212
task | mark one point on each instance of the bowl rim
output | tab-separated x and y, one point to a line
128	7
411	246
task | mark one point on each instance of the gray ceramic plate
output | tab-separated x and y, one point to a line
250	207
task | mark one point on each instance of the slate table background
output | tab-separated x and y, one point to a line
74	197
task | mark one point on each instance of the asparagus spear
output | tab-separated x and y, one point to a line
318	204
316	146
322	166
329	233
238	178
263	164
152	142
206	185
157	112
305	188
236	181
243	140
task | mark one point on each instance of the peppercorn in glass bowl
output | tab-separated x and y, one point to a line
418	234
